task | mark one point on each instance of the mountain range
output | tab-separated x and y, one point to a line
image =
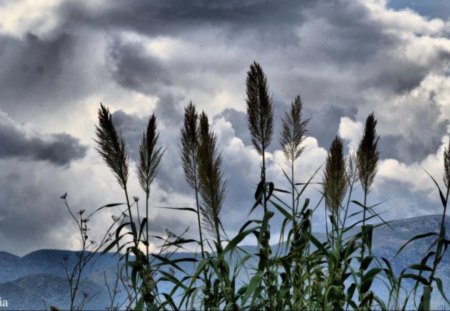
38	280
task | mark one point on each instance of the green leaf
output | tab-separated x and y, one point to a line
285	213
441	289
237	239
141	229
188	209
271	186
280	190
105	206
420	267
254	283
425	299
366	262
170	301
415	277
417	237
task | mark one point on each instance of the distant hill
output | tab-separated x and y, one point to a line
38	279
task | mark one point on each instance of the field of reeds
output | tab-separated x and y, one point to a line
304	272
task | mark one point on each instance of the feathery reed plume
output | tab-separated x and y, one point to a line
149	159
111	146
259	108
212	187
189	145
260	123
352	168
294	131
367	160
149	155
189	159
367	154
335	179
447	166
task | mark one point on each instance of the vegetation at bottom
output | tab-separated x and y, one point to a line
303	273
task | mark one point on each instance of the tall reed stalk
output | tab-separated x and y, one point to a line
292	137
335	182
260	124
189	160
212	187
111	147
367	160
149	159
311	274
442	241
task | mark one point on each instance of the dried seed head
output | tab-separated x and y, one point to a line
447	166
111	146
149	155
259	108
352	168
294	131
367	154
189	145
212	187
335	179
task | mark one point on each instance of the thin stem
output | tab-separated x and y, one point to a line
441	239
128	206
294	210
197	202
146	225
363	243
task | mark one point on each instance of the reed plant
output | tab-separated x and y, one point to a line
304	272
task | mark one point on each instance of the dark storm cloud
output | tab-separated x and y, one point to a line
400	76
351	40
178	16
39	73
408	149
238	120
420	130
170	175
324	124
59	149
334	54
394	200
134	69
131	127
351	36
31	214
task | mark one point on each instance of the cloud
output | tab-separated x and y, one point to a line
16	141
133	68
49	74
351	131
175	17
39	14
345	58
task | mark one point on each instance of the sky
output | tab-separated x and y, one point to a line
346	58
